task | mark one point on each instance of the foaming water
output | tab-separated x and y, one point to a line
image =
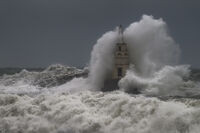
169	81
96	112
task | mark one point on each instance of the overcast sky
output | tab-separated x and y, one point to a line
37	33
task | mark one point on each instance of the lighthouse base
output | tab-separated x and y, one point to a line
111	85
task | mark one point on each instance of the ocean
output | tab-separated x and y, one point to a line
27	106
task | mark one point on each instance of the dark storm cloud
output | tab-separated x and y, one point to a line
42	32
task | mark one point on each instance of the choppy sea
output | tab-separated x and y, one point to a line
38	102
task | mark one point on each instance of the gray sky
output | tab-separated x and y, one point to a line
36	33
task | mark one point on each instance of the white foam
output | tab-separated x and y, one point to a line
96	112
169	81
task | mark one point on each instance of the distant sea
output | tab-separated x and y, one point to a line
13	70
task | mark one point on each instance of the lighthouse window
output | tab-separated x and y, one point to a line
119	72
119	48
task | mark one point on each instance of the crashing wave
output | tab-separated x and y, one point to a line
58	74
170	81
29	82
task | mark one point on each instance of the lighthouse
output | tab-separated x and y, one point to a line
121	63
121	58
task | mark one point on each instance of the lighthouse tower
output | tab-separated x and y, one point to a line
121	58
121	63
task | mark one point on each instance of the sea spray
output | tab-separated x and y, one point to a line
150	45
154	56
168	81
152	50
101	62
